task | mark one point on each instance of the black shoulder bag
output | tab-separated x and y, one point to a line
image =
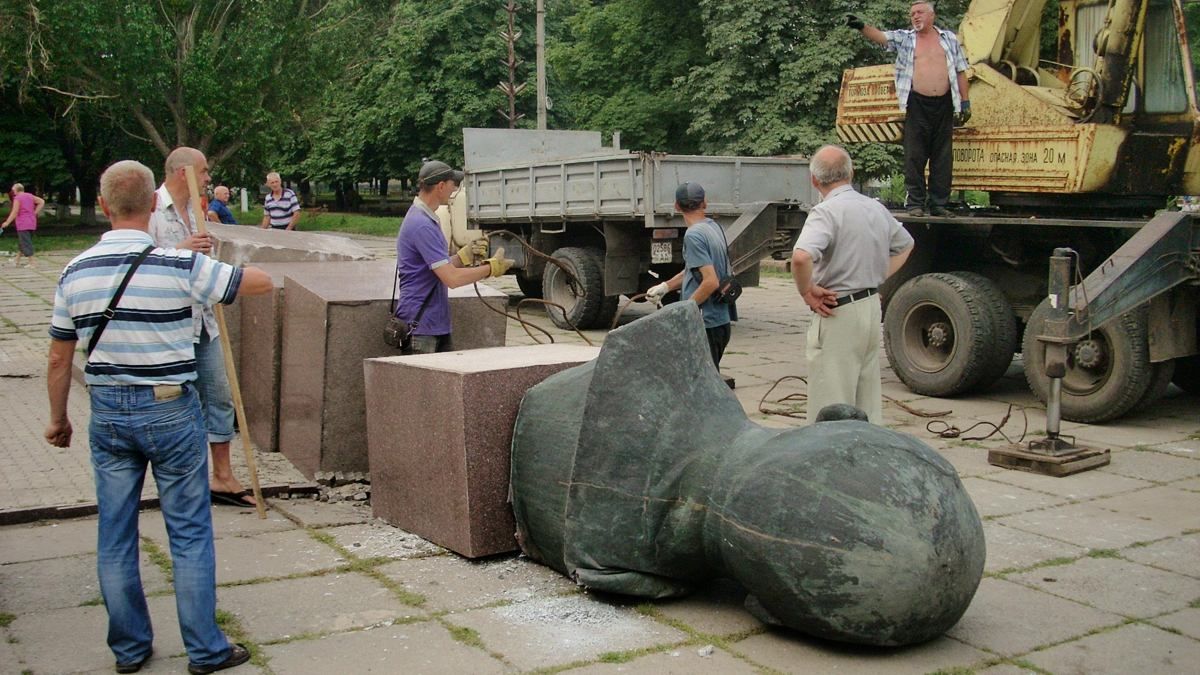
111	310
729	289
398	333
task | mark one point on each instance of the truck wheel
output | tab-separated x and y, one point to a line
583	298
940	334
919	262
1187	374
1108	372
1004	326
531	287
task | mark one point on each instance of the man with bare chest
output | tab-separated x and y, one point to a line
931	86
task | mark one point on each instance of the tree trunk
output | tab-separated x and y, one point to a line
87	201
306	193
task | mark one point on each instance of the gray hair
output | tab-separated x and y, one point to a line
273	174
128	189
931	6
181	157
17	187
831	164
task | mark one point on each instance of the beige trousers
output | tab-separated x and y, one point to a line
843	359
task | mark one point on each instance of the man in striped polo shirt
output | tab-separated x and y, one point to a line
144	409
281	209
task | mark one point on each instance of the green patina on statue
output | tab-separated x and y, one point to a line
639	473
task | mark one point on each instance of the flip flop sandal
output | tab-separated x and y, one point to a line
231	498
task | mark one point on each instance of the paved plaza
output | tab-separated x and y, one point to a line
1093	573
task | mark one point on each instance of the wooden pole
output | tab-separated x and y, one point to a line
230	371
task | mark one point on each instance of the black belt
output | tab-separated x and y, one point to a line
856	296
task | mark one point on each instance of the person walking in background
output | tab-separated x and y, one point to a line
932	90
26	208
218	208
144	410
281	208
850	243
705	263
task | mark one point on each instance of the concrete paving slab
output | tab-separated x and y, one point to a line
228	521
1140	593
452	583
1192	485
681	661
1010	619
1009	548
1153	466
967	461
313	513
425	647
1189	447
1125	435
1080	486
62	582
789	653
1076	524
993	498
272	555
557	631
1136	648
40	637
332	603
47	540
719	609
1006	669
1186	621
377	539
1159	505
1178	554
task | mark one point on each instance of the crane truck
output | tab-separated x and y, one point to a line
1079	151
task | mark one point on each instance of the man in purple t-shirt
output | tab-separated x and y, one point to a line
427	271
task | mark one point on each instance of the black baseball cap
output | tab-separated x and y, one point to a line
434	172
689	196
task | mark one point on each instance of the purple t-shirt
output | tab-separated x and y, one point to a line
420	247
27	217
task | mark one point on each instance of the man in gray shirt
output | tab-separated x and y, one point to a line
850	243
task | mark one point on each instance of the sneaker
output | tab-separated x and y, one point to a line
238	654
916	211
941	212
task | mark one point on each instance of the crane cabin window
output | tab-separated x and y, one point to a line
1165	87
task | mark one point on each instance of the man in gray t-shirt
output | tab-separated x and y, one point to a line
850	243
705	263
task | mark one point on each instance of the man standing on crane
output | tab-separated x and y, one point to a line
931	86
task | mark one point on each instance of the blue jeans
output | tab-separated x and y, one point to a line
215	395
129	429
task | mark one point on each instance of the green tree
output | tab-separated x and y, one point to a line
214	74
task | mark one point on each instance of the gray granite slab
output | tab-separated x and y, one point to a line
453	583
993	498
62	582
377	539
1136	648
1113	585
1186	621
47	540
786	653
718	609
1009	548
1178	554
680	661
272	555
1076	524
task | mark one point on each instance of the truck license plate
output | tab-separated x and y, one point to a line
660	252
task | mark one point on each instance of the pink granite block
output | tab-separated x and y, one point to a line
261	330
330	324
439	433
477	316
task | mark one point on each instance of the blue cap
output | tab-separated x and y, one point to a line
689	196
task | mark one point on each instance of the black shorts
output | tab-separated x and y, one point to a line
25	242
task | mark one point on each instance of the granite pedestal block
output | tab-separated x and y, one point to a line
472	323
251	245
439	430
330	324
261	330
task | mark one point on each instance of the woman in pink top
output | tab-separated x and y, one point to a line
26	208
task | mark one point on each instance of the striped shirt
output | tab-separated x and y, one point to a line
904	43
149	339
279	211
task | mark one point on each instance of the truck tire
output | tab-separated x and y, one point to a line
941	333
531	287
1187	374
919	262
1107	374
585	303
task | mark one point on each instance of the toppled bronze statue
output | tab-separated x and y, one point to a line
639	473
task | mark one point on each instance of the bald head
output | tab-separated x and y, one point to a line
221	192
831	165
174	175
127	192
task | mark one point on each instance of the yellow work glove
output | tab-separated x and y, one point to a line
499	263
473	252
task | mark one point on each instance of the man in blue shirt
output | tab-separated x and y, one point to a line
218	209
426	270
932	90
705	263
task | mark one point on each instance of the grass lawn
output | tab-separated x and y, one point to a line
70	235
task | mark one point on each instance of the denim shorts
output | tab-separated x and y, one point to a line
213	385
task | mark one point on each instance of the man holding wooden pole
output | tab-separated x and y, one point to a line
173	226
